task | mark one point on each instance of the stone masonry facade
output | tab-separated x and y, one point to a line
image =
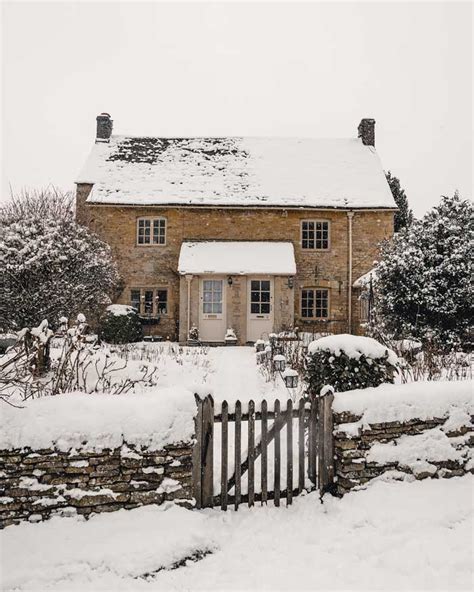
155	267
38	484
354	468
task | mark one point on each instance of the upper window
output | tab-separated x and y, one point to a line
315	304
315	234
151	231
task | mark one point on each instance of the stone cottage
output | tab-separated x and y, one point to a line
253	234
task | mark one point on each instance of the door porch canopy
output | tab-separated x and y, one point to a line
236	258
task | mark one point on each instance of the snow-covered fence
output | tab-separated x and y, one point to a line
409	431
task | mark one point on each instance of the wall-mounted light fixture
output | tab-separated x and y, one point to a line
230	281
291	281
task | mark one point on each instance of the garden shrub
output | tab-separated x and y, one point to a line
120	324
348	362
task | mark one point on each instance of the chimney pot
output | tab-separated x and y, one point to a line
104	127
366	131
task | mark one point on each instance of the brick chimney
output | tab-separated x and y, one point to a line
104	127
366	131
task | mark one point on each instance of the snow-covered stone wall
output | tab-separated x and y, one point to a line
38	484
410	431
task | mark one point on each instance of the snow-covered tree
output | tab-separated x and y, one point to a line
404	215
424	277
51	266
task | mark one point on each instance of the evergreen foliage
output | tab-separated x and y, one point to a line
121	328
51	266
404	215
424	278
344	372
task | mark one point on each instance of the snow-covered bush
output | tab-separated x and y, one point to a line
424	278
120	324
51	266
348	362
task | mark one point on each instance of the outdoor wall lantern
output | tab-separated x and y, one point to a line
279	363
290	377
230	281
291	282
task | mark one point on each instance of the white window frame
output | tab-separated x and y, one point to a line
152	220
315	221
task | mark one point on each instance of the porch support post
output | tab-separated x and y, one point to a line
189	279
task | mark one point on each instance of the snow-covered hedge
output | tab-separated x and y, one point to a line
120	324
348	362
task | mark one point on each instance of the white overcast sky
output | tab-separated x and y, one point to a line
260	69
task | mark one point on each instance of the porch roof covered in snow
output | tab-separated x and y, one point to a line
237	258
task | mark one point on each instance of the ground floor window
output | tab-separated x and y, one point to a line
149	301
315	304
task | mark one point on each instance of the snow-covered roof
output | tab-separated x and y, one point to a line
364	280
237	258
289	172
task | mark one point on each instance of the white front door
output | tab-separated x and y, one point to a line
212	310
260	308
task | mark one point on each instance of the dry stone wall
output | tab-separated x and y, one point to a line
365	452
38	484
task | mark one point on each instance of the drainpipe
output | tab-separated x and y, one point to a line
350	216
189	280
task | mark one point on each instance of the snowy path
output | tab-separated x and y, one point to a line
227	373
392	536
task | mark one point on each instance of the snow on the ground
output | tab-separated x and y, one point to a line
403	402
226	373
392	536
151	416
354	346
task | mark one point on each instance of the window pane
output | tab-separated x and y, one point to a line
135	299
207	308
265	285
255	296
217	308
148	301
162	301
207	285
255	308
255	285
265	296
265	308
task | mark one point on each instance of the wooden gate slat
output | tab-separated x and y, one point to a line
289	452
224	454
313	434
276	470
207	455
301	445
264	463
237	457
197	455
251	454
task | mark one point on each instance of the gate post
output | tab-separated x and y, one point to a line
203	463
326	443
